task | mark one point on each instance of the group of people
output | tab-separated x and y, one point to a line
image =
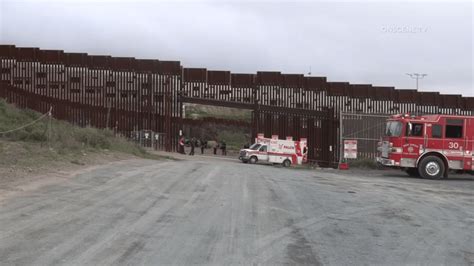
222	145
203	144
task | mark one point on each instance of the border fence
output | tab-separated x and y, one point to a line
130	95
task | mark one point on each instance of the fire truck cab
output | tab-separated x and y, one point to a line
429	145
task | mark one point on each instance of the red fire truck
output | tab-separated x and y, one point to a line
429	145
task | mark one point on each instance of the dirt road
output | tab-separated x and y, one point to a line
203	211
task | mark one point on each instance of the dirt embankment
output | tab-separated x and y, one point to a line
25	166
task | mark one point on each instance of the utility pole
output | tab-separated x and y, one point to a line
416	76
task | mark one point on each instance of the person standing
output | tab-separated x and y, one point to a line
193	144
215	147
305	154
203	145
181	145
224	147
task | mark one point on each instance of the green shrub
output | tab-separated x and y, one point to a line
363	163
93	138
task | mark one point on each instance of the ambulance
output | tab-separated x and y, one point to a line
275	151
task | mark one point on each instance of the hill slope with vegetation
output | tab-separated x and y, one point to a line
30	141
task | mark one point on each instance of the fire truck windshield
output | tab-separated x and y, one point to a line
393	129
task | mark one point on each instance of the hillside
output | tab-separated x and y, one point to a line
196	111
34	143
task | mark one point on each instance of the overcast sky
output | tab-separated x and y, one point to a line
356	41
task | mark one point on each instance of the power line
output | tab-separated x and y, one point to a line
416	76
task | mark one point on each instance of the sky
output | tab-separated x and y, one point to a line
361	42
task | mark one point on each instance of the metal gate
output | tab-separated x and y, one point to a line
149	139
319	126
359	135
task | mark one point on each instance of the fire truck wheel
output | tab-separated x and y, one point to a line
253	160
286	163
413	172
431	167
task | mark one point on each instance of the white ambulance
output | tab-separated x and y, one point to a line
275	151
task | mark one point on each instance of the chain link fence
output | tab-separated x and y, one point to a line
359	135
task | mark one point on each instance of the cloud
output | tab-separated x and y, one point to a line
359	42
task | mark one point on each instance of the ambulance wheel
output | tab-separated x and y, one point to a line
253	160
431	167
286	163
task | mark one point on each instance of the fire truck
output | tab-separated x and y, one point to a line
275	151
428	145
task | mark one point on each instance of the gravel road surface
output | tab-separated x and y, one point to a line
210	211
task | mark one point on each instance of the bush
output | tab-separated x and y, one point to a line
93	138
363	163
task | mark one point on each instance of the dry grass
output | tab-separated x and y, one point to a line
40	145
